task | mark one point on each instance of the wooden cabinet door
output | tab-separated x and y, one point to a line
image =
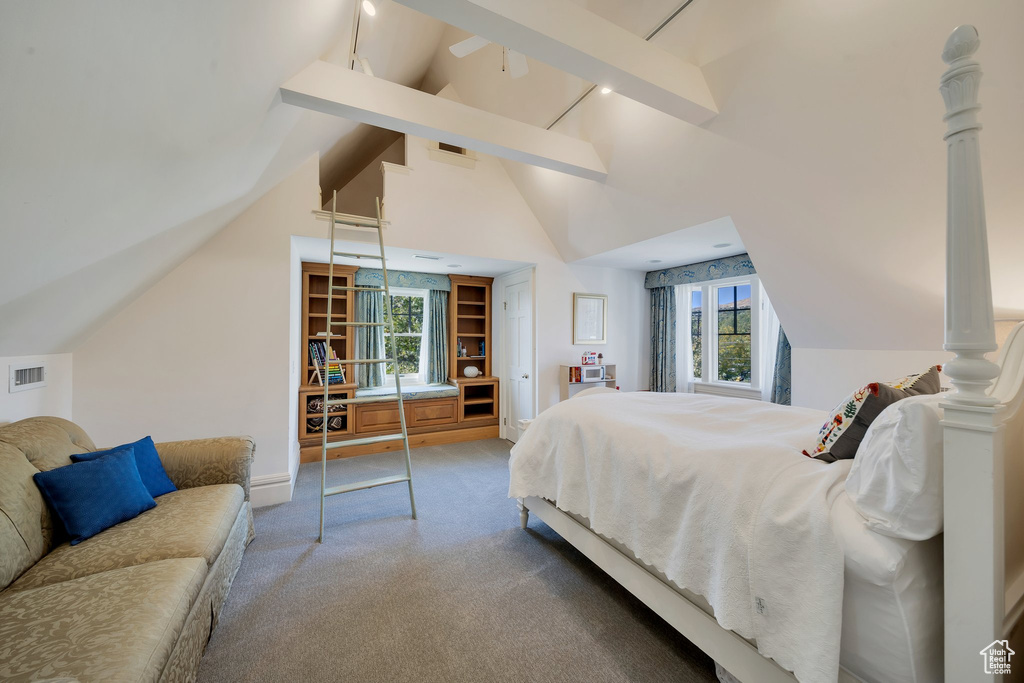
378	417
427	413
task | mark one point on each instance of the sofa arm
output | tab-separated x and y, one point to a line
202	462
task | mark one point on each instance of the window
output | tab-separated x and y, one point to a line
409	311
696	309
734	341
724	327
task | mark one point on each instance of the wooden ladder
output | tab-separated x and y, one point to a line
348	222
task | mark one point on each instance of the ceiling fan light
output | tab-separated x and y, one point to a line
369	8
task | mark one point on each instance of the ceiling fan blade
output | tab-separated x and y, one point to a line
517	66
468	46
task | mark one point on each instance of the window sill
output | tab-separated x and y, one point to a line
723	389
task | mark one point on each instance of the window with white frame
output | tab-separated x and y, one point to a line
719	344
409	309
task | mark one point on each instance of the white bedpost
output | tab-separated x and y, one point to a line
973	446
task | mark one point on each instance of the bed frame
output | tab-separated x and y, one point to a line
983	442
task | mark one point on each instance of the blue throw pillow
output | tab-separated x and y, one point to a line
152	471
89	497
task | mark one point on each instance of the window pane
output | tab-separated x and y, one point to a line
695	331
734	333
408	317
416	307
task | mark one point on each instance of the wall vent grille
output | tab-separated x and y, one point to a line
25	377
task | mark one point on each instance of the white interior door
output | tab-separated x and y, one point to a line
518	356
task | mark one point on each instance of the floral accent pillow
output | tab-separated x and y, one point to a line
840	436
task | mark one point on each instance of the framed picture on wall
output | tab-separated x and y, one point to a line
589	318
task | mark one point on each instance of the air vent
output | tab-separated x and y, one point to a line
27	376
445	147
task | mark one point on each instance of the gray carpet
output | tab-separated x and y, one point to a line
462	594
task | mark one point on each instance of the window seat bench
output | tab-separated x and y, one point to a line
412	392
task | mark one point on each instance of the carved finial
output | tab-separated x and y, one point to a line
962	43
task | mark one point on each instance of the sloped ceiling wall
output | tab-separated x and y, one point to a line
827	155
132	132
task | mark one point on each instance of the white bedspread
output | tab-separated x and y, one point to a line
715	493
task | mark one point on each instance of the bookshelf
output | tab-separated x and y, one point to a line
469	324
314	324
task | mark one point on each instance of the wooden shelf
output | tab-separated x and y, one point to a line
471	317
470	334
477	401
471	358
315	279
470	303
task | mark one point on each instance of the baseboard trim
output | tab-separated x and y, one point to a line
270	489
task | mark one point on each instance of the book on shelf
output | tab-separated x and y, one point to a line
321	359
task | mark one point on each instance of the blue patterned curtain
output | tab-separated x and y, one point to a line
730	266
663	339
782	379
374	277
437	343
370	340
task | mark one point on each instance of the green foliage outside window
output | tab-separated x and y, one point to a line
734	342
407	312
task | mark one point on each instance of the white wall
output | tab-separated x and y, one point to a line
53	399
441	207
210	349
822	377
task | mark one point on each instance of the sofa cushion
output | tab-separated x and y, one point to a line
46	443
89	497
21	512
185	523
120	625
146	459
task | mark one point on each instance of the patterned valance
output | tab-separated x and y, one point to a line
730	266
374	277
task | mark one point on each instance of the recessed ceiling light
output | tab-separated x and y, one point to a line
605	90
655	260
722	245
369	8
454	265
427	258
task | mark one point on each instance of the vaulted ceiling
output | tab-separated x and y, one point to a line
130	133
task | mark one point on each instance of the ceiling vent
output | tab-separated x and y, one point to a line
27	376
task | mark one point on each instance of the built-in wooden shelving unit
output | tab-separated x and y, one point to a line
473	414
314	325
470	326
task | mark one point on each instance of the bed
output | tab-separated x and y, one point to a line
754	551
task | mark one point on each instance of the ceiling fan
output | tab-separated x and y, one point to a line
514	62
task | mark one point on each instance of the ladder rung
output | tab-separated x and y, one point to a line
358	289
368	484
344	324
366	440
362	360
359	399
345	254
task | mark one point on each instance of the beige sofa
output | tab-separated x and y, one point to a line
136	602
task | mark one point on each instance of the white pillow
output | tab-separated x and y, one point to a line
896	478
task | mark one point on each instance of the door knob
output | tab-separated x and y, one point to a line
526	377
